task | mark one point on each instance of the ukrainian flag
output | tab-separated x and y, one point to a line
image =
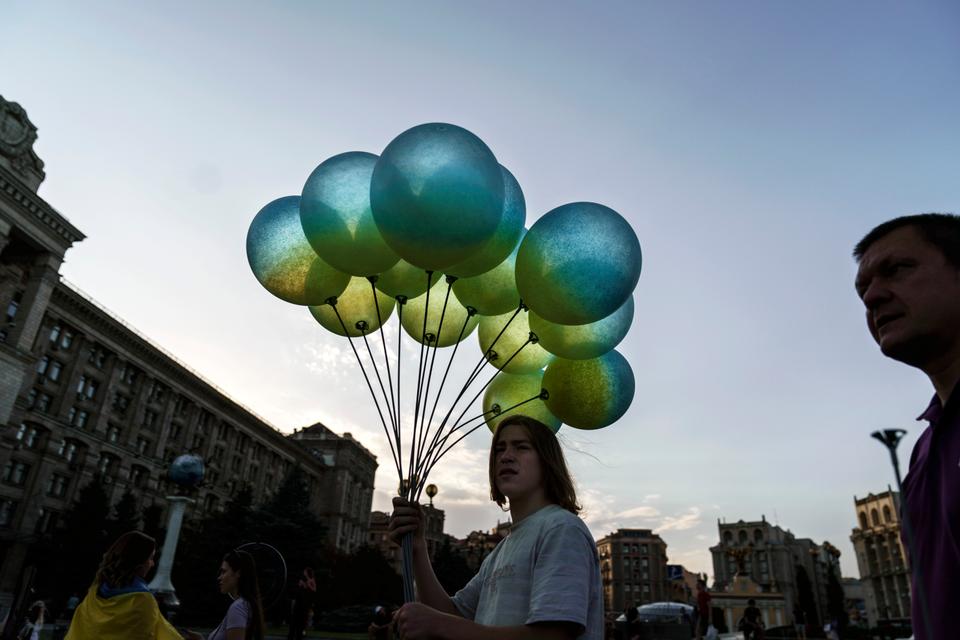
121	617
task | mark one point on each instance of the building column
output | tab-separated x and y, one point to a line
44	276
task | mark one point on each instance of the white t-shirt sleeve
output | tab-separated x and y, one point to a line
238	615
562	572
467	599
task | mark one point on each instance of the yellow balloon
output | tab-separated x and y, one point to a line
458	322
357	308
514	351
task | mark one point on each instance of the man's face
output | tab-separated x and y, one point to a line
912	297
516	464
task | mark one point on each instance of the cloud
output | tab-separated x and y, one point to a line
688	520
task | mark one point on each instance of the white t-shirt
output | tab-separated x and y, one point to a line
238	616
546	570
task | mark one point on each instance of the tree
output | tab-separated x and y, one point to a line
126	516
451	567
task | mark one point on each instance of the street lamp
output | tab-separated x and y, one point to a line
890	439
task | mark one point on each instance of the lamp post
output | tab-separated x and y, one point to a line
187	473
890	438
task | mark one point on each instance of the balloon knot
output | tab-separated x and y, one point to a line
544	394
534	338
332	301
361	325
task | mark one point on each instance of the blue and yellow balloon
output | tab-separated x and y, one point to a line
578	263
284	262
584	341
506	343
336	217
437	195
589	394
457	321
359	312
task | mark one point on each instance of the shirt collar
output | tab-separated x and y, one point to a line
933	411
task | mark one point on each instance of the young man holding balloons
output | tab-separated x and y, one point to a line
542	582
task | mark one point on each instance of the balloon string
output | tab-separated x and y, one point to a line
477	368
474	399
420	372
400	302
373	394
470	313
386	397
426	425
460	426
386	357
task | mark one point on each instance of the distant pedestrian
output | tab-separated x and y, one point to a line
381	626
800	622
244	619
909	282
33	625
703	609
303	598
752	621
119	606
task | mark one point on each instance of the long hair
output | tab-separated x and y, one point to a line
557	483
120	562
249	590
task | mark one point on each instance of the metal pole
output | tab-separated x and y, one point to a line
890	439
161	584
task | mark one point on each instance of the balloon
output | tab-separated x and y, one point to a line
336	216
578	263
493	292
509	389
403	279
437	195
355	305
282	259
456	318
505	239
584	341
589	394
532	357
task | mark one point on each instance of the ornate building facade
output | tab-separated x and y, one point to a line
777	562
883	566
633	568
83	395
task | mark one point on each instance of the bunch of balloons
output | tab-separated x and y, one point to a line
434	230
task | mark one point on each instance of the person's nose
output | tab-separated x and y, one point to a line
876	294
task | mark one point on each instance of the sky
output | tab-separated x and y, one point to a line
749	144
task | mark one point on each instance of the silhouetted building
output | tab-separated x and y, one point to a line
633	567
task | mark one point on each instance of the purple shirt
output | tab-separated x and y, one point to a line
931	507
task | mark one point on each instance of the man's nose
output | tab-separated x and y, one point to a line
876	294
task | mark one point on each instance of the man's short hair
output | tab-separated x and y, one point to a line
942	230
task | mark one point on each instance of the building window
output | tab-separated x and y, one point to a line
129	374
113	434
138	476
143	445
28	436
98	357
150	419
210	503
120	404
66	339
68	450
43	402
886	514
875	517
53	372
87	388
14	306
78	417
54	333
57	485
106	464
42	365
15	473
8	509
47	521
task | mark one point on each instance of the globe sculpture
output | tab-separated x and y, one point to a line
187	471
433	230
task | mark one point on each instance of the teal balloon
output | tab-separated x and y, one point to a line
283	261
336	216
357	308
508	351
579	263
455	318
493	292
589	394
505	239
403	279
508	390
584	341
437	195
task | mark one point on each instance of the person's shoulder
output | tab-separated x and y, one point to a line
240	605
